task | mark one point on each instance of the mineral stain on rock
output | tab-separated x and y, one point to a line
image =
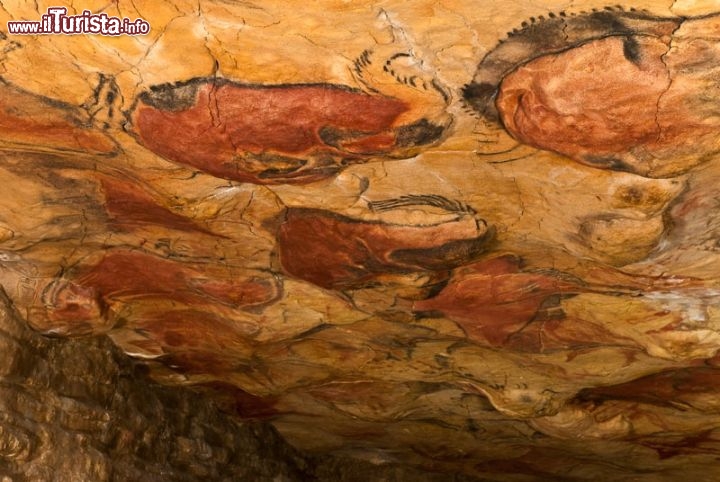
296	133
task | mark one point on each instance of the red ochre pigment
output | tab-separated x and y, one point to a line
135	277
277	134
593	104
338	252
493	299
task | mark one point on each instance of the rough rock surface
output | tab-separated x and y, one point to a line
470	237
79	410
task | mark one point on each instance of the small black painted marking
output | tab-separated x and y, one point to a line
631	49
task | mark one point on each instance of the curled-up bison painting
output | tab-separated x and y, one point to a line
412	246
613	88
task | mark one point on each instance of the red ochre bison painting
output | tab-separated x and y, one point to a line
339	252
274	134
90	296
616	89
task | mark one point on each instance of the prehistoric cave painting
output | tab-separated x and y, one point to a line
616	89
398	68
339	252
296	133
501	302
395	70
403	323
401	67
666	411
31	123
686	388
190	340
103	106
494	299
94	295
130	207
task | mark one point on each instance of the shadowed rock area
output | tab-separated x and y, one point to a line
81	410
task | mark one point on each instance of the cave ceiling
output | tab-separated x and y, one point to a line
476	237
